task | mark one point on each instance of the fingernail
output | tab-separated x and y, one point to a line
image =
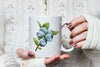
30	54
72	28
69	25
71	42
71	36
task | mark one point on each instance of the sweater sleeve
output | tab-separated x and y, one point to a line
14	61
35	62
15	39
91	46
93	36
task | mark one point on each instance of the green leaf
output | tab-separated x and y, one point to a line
35	41
39	48
38	38
39	24
46	25
55	32
44	35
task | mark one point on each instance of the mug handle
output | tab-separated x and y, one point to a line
64	49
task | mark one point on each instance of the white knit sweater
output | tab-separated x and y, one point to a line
14	31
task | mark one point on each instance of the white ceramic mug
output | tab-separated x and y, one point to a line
45	36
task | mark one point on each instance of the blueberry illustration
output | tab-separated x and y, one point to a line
49	32
42	42
49	37
43	29
40	34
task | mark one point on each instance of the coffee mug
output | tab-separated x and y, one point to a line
45	36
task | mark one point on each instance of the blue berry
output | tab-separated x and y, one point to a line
43	29
49	37
40	34
49	32
42	42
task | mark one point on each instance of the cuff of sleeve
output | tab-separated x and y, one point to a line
93	33
35	62
90	30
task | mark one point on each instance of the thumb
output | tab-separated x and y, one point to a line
24	53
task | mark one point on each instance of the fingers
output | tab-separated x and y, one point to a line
24	54
76	22
78	38
64	56
27	54
56	58
79	29
51	59
79	44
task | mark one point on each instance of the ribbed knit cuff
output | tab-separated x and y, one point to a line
35	62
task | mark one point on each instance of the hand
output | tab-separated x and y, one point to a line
24	53
48	61
55	59
79	29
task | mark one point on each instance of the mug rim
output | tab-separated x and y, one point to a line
47	16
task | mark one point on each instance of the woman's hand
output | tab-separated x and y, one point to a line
24	53
48	61
79	29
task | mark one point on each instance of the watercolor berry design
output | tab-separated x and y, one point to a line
44	35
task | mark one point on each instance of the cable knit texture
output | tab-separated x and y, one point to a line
2	32
93	37
34	62
16	14
37	62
